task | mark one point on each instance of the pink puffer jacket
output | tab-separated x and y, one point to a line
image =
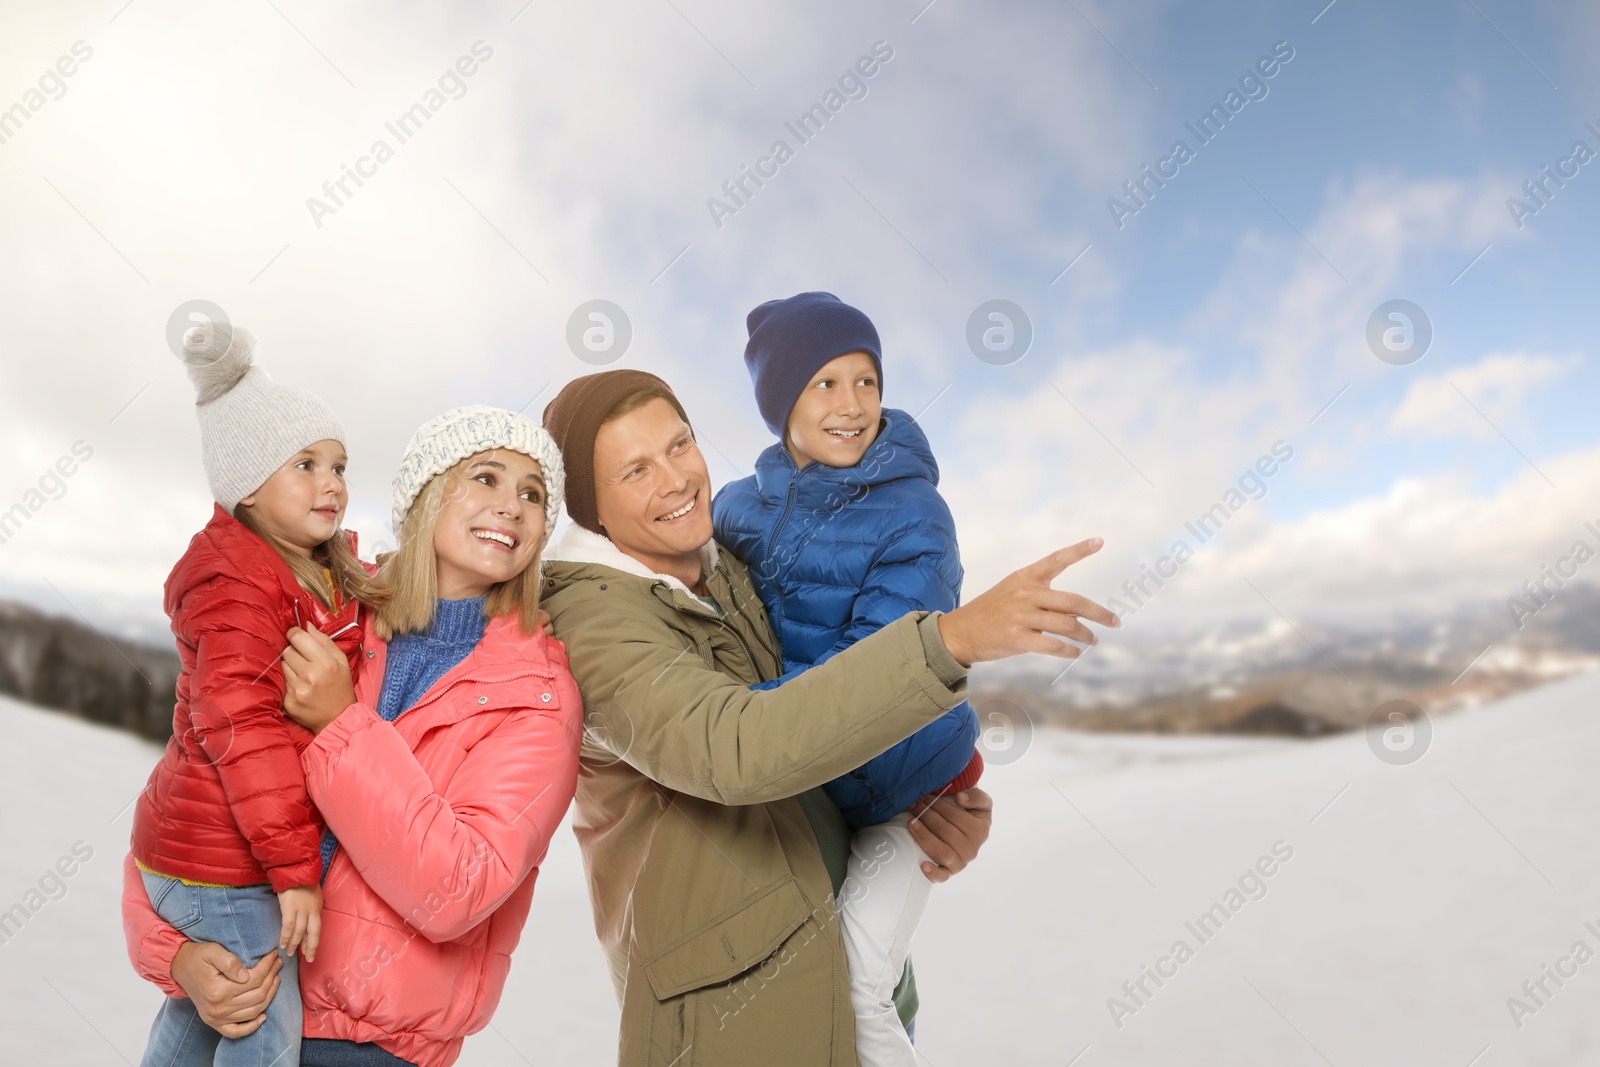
443	817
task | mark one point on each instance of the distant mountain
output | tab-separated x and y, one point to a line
63	664
1241	676
1271	677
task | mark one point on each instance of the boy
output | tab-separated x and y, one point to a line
844	531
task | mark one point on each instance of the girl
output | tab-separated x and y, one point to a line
442	767
224	835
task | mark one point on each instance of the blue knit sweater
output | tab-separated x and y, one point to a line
415	661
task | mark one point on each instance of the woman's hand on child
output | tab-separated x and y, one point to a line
1021	612
230	998
545	624
302	919
316	679
951	830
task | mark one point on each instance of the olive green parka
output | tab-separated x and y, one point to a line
710	895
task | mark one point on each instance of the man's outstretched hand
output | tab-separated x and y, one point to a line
1021	612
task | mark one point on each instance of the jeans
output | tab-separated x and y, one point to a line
245	921
325	1052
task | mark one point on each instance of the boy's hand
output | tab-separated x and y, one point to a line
1021	612
302	919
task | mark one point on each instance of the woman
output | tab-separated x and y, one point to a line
441	769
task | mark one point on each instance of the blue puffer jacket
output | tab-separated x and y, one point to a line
837	553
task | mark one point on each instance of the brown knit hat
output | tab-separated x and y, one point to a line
574	417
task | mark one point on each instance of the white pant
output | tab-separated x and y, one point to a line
880	905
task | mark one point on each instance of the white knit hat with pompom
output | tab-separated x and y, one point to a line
249	424
445	440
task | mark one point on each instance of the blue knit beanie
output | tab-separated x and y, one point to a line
792	339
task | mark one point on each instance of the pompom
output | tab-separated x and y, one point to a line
217	356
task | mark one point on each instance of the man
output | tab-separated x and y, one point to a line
712	855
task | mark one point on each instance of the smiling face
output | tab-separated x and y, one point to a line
303	502
490	524
652	491
836	417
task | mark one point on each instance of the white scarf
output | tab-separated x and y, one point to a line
578	545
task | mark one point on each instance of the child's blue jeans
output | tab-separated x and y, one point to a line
246	921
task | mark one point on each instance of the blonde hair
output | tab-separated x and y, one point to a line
350	578
411	573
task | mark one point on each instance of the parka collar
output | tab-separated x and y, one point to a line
579	545
900	450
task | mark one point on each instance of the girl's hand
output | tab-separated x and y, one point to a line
951	830
302	919
316	679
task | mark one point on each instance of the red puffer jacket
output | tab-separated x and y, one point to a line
444	817
228	804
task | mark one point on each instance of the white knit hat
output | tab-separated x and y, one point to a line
443	441
249	424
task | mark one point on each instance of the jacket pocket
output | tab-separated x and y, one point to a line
727	944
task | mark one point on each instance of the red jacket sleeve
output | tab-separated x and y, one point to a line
445	863
235	704
152	944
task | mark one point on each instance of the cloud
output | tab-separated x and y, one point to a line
1427	543
1497	386
1158	429
180	161
1300	305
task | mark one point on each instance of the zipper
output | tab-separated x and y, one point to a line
704	610
772	542
749	655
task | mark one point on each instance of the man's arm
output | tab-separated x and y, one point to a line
699	731
696	730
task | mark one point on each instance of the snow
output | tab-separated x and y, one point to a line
1417	900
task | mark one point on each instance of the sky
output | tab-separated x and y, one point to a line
1177	339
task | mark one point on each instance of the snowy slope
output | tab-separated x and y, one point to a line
1413	906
